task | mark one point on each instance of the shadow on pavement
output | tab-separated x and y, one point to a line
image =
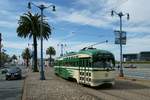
121	85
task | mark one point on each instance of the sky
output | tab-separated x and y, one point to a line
79	23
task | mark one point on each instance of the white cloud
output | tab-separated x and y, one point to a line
8	24
42	2
83	19
101	4
137	29
139	15
14	45
97	13
9	19
138	44
139	10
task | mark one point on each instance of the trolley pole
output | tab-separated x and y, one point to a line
120	14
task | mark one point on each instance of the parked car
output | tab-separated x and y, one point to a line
13	73
130	66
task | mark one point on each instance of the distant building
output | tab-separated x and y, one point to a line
130	57
142	56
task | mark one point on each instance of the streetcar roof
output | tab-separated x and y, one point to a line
86	54
95	52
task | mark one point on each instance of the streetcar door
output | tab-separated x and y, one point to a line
81	71
84	71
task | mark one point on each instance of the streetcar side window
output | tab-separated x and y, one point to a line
58	63
77	63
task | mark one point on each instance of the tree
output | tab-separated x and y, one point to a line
14	57
51	52
29	27
26	55
4	58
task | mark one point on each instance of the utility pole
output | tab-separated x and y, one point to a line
0	50
120	14
41	7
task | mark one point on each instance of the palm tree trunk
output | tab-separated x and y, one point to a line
27	63
50	58
35	69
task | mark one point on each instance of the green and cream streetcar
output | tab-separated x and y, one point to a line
89	66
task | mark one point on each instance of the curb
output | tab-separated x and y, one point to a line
24	87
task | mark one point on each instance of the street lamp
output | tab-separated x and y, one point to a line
61	48
41	7
120	14
0	49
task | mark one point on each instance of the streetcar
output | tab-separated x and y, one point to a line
89	66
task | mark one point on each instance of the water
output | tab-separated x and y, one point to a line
141	73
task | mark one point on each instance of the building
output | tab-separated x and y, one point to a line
142	56
130	57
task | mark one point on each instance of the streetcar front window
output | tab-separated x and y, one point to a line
104	64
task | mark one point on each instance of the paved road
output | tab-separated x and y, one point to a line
11	90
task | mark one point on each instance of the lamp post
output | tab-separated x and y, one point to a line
0	49
41	7
120	14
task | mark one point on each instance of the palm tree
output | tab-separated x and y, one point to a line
5	58
29	26
51	52
14	59
26	55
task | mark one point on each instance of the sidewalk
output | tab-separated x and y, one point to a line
36	89
53	88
